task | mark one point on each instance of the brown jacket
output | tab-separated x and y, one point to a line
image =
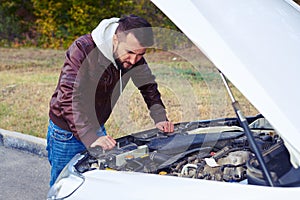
89	86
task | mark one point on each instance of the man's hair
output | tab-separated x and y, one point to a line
138	26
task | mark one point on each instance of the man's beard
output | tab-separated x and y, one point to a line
119	64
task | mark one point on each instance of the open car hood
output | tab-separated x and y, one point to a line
256	44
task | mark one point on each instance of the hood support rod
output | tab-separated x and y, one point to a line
248	133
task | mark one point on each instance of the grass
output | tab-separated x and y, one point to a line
190	88
28	76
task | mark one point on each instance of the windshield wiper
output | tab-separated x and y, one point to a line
248	133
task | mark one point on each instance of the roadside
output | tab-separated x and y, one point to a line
23	175
23	142
24	168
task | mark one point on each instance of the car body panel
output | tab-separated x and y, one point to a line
131	185
256	44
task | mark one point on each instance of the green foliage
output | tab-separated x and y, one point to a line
56	23
149	11
16	22
60	22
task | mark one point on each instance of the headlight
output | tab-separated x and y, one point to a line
67	182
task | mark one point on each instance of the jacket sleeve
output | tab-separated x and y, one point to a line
144	80
73	95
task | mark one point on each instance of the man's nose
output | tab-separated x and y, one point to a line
133	59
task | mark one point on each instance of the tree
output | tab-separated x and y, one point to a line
60	22
16	22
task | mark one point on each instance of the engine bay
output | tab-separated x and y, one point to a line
212	150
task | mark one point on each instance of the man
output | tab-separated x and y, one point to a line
97	68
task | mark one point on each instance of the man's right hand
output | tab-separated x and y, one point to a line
106	142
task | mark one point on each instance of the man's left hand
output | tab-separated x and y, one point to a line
165	126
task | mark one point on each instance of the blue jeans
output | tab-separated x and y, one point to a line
62	146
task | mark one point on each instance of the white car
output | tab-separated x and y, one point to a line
256	45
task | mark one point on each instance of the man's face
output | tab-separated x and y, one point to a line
128	51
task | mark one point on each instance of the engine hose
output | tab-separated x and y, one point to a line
200	166
225	151
184	170
179	165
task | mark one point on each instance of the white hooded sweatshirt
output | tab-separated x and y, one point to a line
103	37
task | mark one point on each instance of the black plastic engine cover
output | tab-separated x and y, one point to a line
179	143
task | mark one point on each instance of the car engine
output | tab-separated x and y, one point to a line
212	150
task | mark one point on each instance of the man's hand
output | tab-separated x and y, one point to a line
106	142
165	126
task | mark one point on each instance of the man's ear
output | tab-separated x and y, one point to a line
115	39
115	42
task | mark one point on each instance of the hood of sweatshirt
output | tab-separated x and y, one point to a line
103	37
